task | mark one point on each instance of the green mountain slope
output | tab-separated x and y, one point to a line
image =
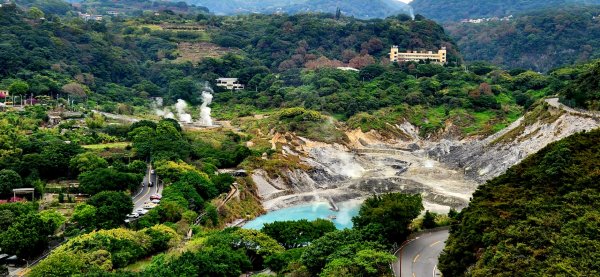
139	57
539	40
541	218
357	8
454	10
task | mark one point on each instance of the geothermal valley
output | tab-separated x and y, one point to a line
444	170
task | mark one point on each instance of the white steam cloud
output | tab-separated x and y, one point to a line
339	162
181	106
207	97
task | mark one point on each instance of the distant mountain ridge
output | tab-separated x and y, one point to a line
454	10
356	8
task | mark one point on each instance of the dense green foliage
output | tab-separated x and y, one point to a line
27	235
104	179
540	218
111	208
227	253
163	143
57	7
454	10
314	248
357	8
9	180
105	250
387	217
80	58
584	91
539	40
294	234
133	7
337	247
24	231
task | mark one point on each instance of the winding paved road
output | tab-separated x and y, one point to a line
146	191
419	257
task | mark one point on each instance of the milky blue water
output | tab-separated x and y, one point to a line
310	212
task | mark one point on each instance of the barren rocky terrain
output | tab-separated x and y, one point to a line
445	172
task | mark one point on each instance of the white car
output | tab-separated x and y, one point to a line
152	172
155	201
141	211
133	215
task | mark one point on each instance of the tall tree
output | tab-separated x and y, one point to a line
27	236
111	208
390	213
9	180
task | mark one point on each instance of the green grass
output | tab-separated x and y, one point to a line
114	145
504	99
513	115
138	266
152	27
481	120
436	116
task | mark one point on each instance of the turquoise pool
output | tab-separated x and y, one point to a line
309	212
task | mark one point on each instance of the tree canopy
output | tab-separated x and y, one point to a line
111	208
389	216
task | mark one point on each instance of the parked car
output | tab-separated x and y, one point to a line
149	205
141	211
156	201
155	197
14	261
133	215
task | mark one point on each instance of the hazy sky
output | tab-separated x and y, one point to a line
405	1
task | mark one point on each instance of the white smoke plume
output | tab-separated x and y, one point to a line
181	106
165	113
207	97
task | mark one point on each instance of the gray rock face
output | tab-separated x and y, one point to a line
342	175
445	173
485	159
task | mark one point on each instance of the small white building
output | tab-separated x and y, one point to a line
87	17
230	83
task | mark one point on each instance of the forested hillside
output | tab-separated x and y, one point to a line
130	59
540	218
539	41
455	10
357	8
136	7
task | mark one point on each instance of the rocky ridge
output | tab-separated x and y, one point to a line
445	172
